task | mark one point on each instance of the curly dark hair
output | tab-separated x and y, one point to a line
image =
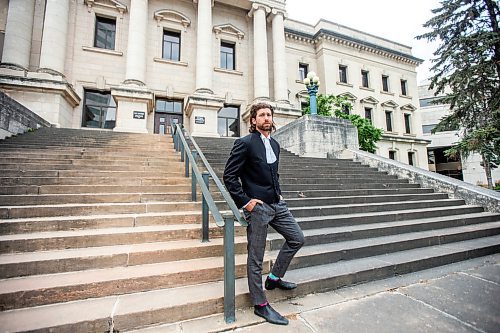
253	114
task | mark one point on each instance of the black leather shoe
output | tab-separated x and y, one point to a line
280	284
269	314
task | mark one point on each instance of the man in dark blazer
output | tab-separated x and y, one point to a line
251	177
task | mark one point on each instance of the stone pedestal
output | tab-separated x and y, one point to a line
133	106
318	136
202	110
49	96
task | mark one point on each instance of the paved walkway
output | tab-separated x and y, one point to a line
461	297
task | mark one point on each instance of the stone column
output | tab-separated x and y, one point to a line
54	40
18	31
279	56
137	43
260	65
204	47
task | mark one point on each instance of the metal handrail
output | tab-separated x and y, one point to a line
220	187
219	220
227	221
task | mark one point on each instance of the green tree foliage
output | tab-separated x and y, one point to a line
467	62
331	105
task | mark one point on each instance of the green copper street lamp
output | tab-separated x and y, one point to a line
312	85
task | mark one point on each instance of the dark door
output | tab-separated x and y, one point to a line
167	111
163	121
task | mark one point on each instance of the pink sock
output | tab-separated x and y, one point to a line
263	304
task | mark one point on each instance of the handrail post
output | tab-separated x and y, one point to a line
204	212
229	271
186	167
193	178
182	152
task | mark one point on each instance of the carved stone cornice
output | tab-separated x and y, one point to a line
109	4
228	29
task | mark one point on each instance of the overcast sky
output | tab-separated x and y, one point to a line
396	20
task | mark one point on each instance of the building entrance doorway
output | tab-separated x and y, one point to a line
167	111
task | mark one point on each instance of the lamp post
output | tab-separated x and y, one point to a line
312	85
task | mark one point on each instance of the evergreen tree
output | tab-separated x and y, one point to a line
467	62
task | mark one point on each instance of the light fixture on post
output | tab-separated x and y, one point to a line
312	85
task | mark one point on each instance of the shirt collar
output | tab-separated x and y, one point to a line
263	137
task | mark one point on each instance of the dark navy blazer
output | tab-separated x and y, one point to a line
247	174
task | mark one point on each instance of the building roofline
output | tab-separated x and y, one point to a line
354	40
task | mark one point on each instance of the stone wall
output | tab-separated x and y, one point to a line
17	119
317	136
473	195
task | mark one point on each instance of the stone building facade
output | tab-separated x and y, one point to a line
468	170
136	65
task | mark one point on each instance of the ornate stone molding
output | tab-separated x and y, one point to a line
348	95
109	4
408	107
390	104
171	16
369	100
228	29
257	5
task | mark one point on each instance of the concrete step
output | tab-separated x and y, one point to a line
164	172
43	241
352	192
93	162
67	223
20	264
85	151
47	199
12	212
43	289
115	180
457	212
356	186
306	202
77	167
137	310
92	189
371	207
82	155
107	256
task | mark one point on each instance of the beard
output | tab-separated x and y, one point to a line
267	127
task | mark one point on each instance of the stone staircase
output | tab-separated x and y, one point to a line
98	233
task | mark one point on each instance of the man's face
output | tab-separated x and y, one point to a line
263	120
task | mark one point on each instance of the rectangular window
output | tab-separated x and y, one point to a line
227	56
105	32
404	88
407	123
426	129
388	120
411	158
228	121
343	73
429	101
345	109
368	114
171	45
392	154
385	83
99	110
364	79
303	70
168	106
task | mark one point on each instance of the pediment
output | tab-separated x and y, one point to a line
408	107
109	4
171	16
228	29
369	100
302	94
348	96
390	104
